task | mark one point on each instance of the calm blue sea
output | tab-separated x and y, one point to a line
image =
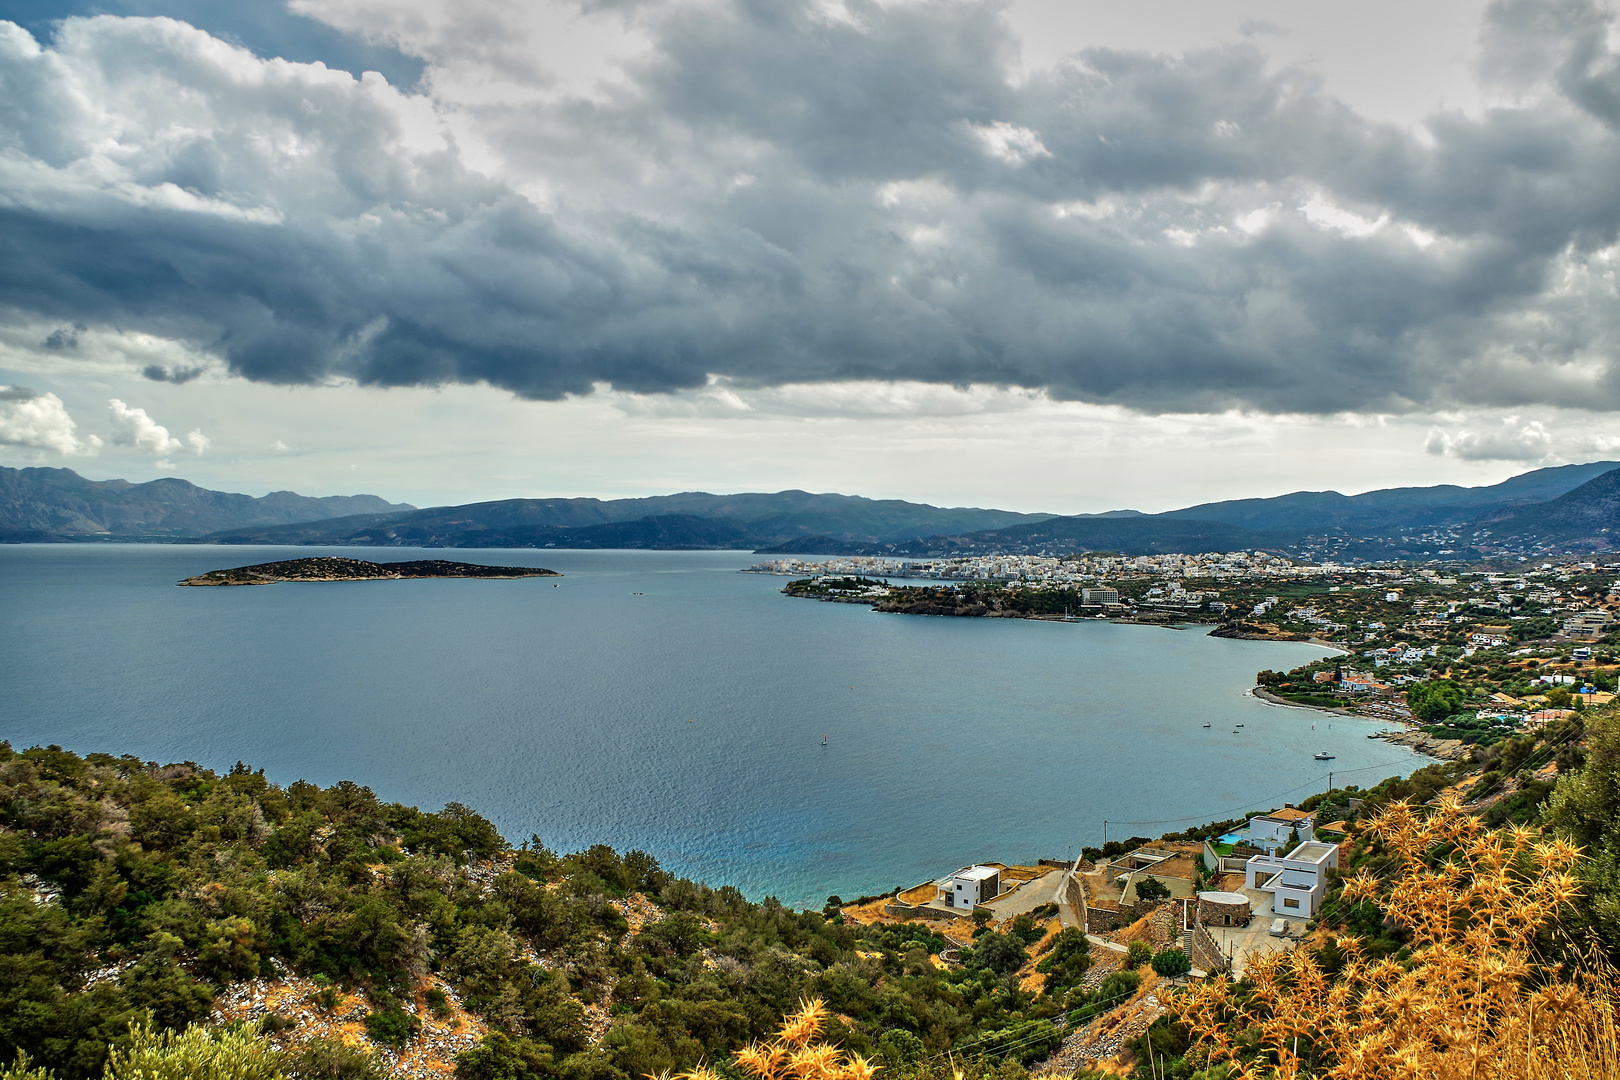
662	700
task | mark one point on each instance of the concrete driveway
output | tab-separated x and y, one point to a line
1241	942
1028	896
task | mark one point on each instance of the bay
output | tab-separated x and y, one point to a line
664	701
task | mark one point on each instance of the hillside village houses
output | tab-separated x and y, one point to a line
1440	616
1037	569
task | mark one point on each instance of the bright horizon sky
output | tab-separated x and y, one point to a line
1043	255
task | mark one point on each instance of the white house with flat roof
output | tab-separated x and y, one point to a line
1297	881
1281	828
970	886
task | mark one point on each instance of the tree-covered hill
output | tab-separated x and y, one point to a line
132	892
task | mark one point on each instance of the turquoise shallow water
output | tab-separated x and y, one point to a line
662	700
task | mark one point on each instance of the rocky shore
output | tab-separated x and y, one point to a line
1424	743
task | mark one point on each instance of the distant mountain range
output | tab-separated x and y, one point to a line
59	504
692	519
1574	507
1569	506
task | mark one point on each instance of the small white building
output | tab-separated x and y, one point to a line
1281	828
1297	881
970	886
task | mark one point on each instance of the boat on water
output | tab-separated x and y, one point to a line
1324	756
1206	725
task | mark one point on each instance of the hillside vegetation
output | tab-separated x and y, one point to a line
146	910
134	893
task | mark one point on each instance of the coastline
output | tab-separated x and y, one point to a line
1411	736
1145	618
1272	699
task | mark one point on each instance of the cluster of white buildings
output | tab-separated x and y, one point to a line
1075	570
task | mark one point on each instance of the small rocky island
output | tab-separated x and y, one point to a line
334	569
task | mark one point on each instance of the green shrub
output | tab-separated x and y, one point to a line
898	1046
1139	953
194	1053
1151	889
330	1059
391	1027
1118	986
1168	963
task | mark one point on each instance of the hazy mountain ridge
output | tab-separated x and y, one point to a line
1572	503
1590	515
692	519
1394	509
59	504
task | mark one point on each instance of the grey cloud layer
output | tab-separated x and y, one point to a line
778	196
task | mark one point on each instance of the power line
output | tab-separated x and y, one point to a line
1259	802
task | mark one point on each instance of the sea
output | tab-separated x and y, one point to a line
665	701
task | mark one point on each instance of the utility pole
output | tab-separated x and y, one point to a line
1105	834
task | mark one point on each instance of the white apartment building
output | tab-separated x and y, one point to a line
1297	881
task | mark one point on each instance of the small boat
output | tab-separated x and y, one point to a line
824	740
1240	725
1206	725
1324	756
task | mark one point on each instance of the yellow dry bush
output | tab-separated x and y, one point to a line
1463	1005
795	1054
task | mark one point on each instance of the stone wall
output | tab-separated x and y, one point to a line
1202	949
906	911
1101	919
1075	894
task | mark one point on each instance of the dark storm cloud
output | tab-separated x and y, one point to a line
778	196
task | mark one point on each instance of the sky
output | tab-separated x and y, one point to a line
1054	255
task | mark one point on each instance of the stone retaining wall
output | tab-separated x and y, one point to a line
1203	950
1100	919
906	911
1075	897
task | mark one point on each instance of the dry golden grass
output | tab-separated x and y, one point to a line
1463	1007
797	1053
919	894
869	912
